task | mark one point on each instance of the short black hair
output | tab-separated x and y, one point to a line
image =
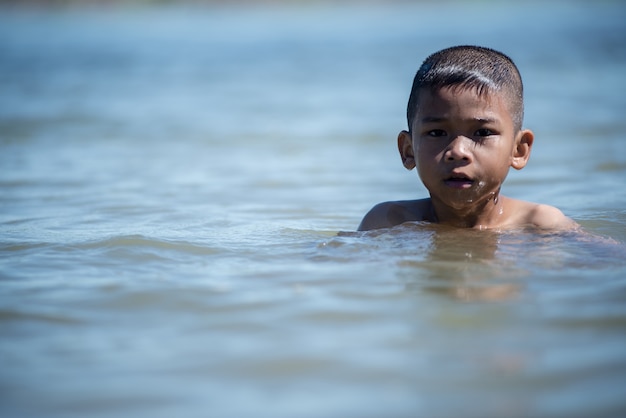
466	66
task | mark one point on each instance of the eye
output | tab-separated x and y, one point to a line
484	132
436	133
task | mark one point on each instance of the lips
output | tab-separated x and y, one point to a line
459	181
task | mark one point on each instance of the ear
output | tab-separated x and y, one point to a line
521	152
405	146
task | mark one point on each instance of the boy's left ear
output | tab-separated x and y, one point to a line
523	145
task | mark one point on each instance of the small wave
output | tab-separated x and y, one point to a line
13	315
144	242
21	246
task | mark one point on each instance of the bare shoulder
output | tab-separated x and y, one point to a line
546	217
549	217
389	214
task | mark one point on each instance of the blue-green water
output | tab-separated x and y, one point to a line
178	187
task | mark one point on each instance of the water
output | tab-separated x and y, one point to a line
178	189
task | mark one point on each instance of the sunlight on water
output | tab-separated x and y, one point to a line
179	190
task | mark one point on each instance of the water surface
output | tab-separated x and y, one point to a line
179	188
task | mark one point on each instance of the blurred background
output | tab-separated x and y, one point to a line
173	177
230	100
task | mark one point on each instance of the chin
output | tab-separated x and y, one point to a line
462	200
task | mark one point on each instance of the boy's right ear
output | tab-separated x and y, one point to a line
405	146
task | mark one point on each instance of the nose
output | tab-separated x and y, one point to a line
458	149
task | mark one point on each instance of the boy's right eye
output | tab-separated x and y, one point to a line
436	133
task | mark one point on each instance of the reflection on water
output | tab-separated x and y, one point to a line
173	182
463	264
481	265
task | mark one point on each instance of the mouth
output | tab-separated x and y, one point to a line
459	181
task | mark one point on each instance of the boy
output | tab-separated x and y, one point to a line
464	117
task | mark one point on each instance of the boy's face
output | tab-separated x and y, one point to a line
463	144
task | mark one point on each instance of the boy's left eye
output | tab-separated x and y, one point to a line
484	132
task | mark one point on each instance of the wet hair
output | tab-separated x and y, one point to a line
470	67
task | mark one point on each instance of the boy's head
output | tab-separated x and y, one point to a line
472	67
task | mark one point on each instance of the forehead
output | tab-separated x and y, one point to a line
461	100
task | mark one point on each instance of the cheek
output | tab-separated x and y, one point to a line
497	172
496	157
429	152
427	169
425	162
